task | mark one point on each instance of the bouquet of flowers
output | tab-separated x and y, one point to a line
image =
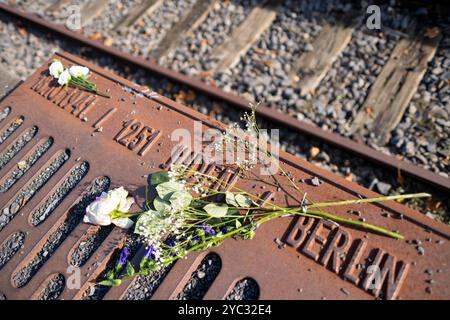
75	76
185	215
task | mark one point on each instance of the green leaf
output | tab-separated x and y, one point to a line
237	200
110	283
230	199
166	188
144	221
159	177
180	199
161	205
196	203
130	269
238	224
243	201
216	211
110	275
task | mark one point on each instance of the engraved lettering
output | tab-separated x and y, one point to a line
79	101
335	248
133	135
41	83
88	106
63	103
104	117
299	231
315	237
132	129
392	275
151	140
54	93
354	259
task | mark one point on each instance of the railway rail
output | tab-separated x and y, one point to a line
307	61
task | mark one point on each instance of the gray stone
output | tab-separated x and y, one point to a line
383	187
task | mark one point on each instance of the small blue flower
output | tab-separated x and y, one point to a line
123	257
224	229
208	230
170	242
149	253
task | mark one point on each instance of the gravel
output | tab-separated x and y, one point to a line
35	6
10	130
262	73
53	200
17	145
143	288
202	278
146	33
345	87
193	54
63	15
4	113
423	134
25	194
25	165
53	288
9	248
111	15
245	289
21	277
84	250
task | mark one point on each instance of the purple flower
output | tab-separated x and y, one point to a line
208	230
149	253
123	257
171	243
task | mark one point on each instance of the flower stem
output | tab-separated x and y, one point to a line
86	85
102	94
361	224
368	200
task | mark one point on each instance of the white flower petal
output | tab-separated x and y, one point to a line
79	71
123	223
56	68
64	78
104	205
125	206
100	220
99	212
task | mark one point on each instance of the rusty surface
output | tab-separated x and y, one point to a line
359	149
320	260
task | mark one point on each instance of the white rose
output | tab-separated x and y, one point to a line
64	78
99	212
79	71
124	203
56	68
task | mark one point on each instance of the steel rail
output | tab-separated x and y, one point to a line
356	148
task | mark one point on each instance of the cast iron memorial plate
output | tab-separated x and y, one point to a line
60	147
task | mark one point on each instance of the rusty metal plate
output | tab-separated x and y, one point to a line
56	142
